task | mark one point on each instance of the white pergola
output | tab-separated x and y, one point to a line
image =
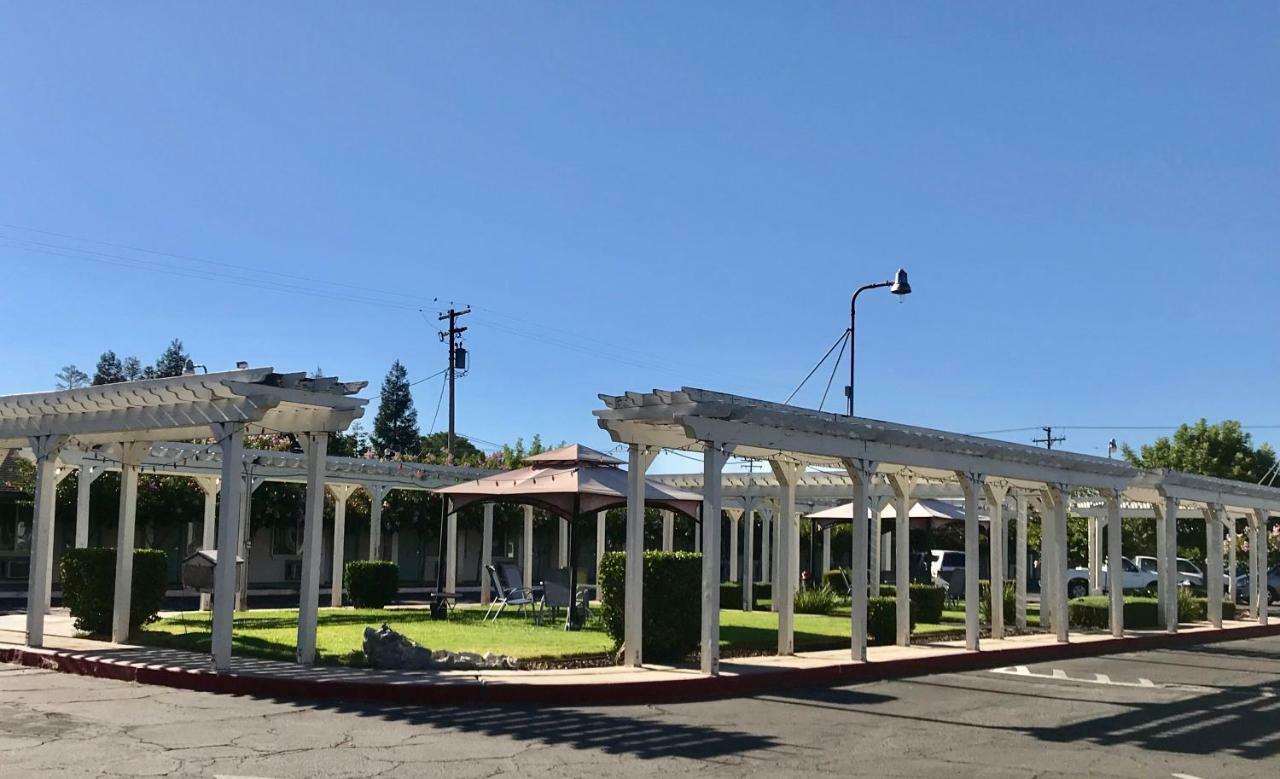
129	417
203	463
875	454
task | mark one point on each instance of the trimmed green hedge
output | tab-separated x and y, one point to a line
672	614
371	584
762	591
731	595
834	580
88	587
926	601
882	620
1010	601
1141	613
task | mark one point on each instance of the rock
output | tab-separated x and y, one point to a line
385	648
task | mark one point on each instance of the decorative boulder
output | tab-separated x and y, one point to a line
385	648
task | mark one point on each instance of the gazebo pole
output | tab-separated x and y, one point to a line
571	614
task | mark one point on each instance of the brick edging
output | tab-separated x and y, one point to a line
604	692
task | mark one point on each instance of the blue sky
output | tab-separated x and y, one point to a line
653	195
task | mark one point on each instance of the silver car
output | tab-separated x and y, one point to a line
1273	586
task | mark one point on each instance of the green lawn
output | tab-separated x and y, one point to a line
340	632
272	634
957	614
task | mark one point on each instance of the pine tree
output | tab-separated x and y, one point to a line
173	362
71	377
395	428
109	370
132	370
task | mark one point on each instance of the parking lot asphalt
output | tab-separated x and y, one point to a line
1205	711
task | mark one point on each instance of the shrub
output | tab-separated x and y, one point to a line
762	591
815	601
1190	607
730	595
672	614
926	601
371	584
88	587
1009	600
834	580
1094	611
882	620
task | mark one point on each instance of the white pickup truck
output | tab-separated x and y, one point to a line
1133	579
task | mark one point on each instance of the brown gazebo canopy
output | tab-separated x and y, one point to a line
568	482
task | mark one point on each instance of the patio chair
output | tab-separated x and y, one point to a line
555	596
501	596
955	586
848	585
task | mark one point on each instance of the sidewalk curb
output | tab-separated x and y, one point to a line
694	688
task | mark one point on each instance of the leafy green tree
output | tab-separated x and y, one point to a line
132	369
434	445
1224	450
71	377
395	428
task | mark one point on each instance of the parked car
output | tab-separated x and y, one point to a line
1133	578
1189	574
1273	586
942	563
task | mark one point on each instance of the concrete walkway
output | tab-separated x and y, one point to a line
65	651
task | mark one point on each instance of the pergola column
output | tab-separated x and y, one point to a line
1048	558
639	458
131	456
971	484
601	517
1020	561
748	555
85	478
46	449
1166	511
902	484
1115	561
341	492
1213	516
526	567
377	494
245	539
230	436
60	473
766	548
486	553
826	552
209	486
1095	555
874	562
714	456
451	550
1058	496
860	473
1259	580
998	541
668	530
733	543
316	446
1232	540
787	474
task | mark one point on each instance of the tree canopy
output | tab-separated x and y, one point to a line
1224	450
395	428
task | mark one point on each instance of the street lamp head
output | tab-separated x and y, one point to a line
900	285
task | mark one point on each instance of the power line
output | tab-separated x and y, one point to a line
815	368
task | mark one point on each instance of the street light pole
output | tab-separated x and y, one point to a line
898	286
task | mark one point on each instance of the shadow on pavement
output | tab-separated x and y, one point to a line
581	729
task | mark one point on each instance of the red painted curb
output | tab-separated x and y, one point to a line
604	693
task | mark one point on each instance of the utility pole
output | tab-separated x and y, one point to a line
1049	439
457	361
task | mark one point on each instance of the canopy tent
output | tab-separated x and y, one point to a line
569	482
923	513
